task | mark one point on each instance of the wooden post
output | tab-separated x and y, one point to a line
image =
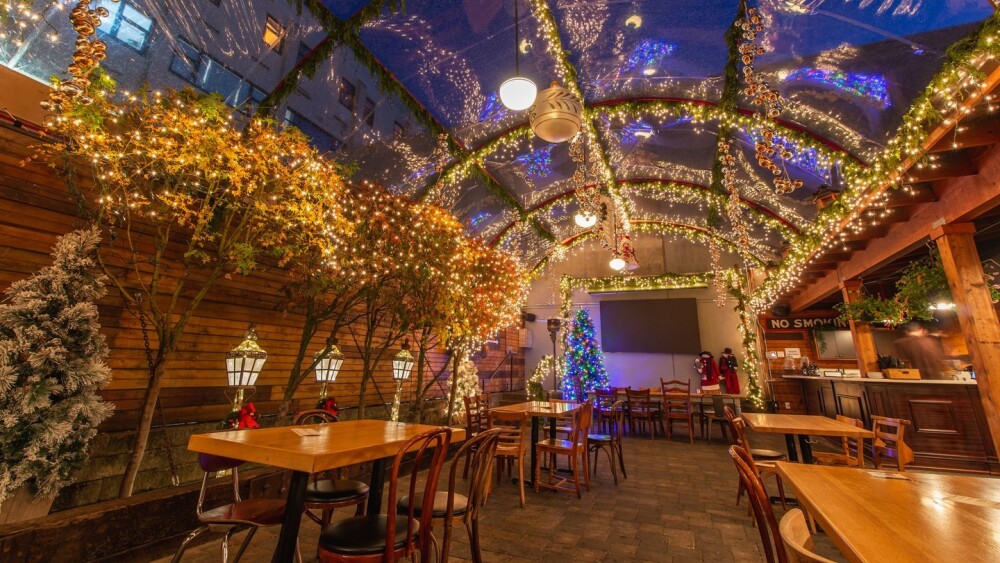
861	332
976	314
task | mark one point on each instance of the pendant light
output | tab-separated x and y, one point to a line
617	263
517	93
585	218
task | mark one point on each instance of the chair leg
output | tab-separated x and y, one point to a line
465	472
621	461
225	545
449	524
586	469
245	544
690	429
477	556
739	492
538	476
781	491
520	478
575	465
180	550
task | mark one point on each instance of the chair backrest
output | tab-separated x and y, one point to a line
676	396
562	401
480	451
676	387
212	464
428	449
767	525
604	399
796	538
514	437
475	413
315	416
638	400
719	404
581	424
617	421
849	442
739	427
730	413
889	439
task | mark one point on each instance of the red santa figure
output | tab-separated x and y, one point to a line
705	365
727	366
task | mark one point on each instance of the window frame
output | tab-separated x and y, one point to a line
117	15
279	46
341	94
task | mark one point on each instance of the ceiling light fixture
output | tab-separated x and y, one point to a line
617	263
585	219
517	93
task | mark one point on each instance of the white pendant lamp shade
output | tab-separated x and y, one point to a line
585	219
518	93
243	363
556	115
618	263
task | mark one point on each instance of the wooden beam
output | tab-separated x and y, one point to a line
961	199
948	165
861	333
922	192
970	134
976	314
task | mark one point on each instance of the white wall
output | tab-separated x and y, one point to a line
718	327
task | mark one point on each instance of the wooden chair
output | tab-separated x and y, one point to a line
774	548
797	540
763	469
717	415
603	402
562	426
476	407
234	516
450	505
677	405
759	454
611	443
386	537
574	448
513	443
642	412
889	442
326	493
847	457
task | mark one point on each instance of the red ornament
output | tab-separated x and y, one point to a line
329	404
248	417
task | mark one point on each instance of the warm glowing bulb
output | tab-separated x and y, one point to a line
518	93
618	263
585	219
649	71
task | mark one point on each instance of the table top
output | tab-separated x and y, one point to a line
539	408
873	516
805	424
337	445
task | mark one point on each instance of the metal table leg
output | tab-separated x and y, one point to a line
807	451
375	487
793	455
288	538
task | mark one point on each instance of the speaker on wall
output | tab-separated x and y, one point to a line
528	317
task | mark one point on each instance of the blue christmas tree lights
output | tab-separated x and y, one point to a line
585	369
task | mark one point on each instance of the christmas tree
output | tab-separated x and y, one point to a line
584	359
51	368
467	380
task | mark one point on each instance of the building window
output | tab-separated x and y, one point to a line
304	50
323	141
274	34
398	130
369	112
126	24
208	74
347	91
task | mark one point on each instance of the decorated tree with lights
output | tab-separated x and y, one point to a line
52	365
189	194
584	360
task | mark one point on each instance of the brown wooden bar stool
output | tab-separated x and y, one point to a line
574	448
611	443
889	442
386	537
677	405
254	513
327	494
767	525
847	443
450	505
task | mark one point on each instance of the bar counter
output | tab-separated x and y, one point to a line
948	429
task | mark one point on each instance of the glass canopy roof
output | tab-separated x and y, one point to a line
848	70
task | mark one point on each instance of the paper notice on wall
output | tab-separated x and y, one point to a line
794	353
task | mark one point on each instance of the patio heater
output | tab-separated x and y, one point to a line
327	365
554	325
243	365
402	365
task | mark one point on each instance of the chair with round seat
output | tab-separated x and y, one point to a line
610	443
574	448
514	442
476	408
767	525
759	454
450	505
234	516
375	538
327	494
797	540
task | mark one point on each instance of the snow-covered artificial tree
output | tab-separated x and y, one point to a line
52	365
467	379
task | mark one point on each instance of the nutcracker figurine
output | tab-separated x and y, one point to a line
727	366
705	365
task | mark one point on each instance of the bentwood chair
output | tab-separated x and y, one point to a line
375	538
797	540
476	407
642	413
846	456
889	442
715	415
325	493
513	443
603	402
767	525
234	516
574	448
677	405
763	469
610	443
759	454
450	505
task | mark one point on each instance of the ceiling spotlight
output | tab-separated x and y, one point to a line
585	219
517	93
634	21
617	263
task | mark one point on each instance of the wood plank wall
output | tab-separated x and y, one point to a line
36	208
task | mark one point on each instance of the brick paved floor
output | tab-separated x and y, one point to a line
676	505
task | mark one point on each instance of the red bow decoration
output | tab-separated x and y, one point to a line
248	417
329	404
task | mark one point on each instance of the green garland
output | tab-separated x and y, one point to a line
748	329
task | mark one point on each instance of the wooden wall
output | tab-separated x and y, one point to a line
37	207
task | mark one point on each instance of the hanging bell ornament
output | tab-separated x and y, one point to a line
556	115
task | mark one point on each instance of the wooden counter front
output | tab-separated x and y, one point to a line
948	428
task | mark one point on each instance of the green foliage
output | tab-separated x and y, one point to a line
584	359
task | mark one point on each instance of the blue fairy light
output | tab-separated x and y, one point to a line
647	54
538	163
478	218
803	157
492	108
873	87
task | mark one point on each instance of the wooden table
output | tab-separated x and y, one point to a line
537	410
921	517
337	445
803	426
